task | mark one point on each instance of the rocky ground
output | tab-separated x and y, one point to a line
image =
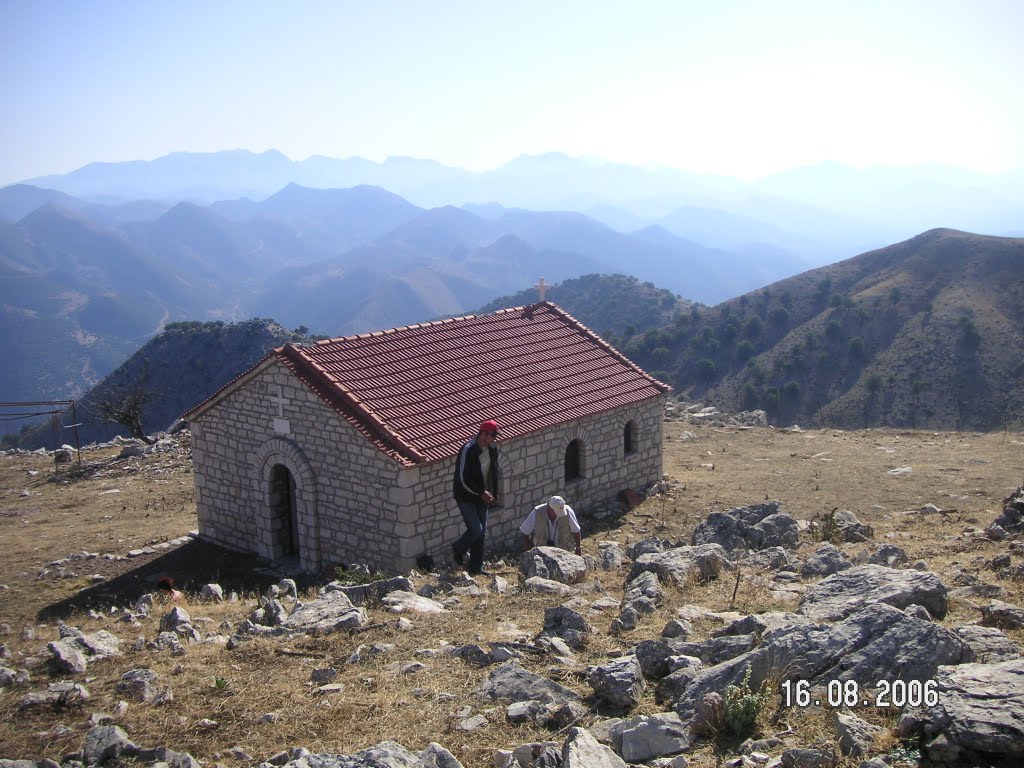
784	597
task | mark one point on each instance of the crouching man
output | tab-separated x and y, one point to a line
552	524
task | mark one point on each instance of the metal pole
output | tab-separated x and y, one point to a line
78	447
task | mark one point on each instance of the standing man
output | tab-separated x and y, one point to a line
552	525
475	488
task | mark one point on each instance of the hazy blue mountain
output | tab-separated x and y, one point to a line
203	176
721	229
832	211
399	281
211	176
617	218
19	200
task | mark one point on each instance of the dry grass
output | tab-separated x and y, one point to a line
810	473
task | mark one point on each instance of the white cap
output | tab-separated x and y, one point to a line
557	503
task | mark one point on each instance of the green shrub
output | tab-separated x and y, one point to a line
743	706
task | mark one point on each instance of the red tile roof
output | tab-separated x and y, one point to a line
419	392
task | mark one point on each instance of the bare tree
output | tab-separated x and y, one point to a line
124	405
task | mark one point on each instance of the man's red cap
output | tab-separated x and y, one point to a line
489	426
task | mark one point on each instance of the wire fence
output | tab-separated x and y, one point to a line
56	410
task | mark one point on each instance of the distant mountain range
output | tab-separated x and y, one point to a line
95	262
84	284
922	334
822	213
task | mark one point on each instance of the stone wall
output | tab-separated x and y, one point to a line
343	483
533	468
354	504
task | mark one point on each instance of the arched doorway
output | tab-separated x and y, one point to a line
287	527
284	518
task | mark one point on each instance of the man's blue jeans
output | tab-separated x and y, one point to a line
474	514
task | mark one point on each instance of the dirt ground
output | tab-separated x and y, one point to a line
66	533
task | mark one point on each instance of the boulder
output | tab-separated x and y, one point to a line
582	750
826	560
105	742
758	526
409	602
684	565
553	563
978	716
850	528
844	593
330	613
511	682
567	624
619	683
878	642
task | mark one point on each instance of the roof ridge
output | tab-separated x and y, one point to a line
390	331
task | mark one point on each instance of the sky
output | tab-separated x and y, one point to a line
734	87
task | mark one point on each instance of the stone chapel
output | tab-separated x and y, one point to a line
344	451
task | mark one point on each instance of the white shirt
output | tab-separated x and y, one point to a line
540	512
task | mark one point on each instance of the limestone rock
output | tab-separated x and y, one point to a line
511	682
582	750
978	717
844	593
330	613
683	565
409	602
824	561
554	563
619	683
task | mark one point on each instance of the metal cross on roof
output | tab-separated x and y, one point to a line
542	288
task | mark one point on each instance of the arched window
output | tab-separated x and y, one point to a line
574	461
629	438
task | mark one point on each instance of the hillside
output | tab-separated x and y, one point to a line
177	369
616	307
926	332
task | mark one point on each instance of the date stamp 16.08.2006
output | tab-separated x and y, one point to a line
848	693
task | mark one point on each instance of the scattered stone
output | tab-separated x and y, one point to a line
825	561
758	526
212	593
105	742
855	736
547	586
582	750
138	684
56	696
511	682
567	624
889	555
409	602
619	683
1002	615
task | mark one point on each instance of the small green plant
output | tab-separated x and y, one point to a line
828	529
905	754
356	576
220	683
743	706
